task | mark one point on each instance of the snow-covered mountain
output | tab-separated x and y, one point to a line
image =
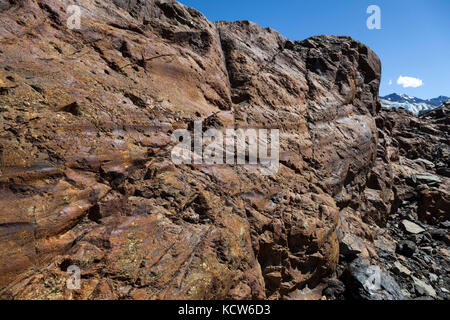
413	104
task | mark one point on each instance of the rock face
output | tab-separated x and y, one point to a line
86	117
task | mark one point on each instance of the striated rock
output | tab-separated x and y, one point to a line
426	178
401	269
335	290
427	164
87	178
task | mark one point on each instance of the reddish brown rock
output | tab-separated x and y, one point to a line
434	205
419	169
86	174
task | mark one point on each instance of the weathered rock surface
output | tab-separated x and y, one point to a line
86	118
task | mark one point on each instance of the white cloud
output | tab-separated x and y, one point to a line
407	82
390	82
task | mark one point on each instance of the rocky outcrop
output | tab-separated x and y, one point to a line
413	245
87	178
411	239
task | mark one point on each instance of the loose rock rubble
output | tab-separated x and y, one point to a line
413	245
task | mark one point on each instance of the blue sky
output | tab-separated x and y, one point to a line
414	39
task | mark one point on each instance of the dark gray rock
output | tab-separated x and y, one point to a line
335	290
368	282
426	178
406	248
349	247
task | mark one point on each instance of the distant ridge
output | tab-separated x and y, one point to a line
410	103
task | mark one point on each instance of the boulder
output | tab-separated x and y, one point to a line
350	246
369	282
426	178
406	248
